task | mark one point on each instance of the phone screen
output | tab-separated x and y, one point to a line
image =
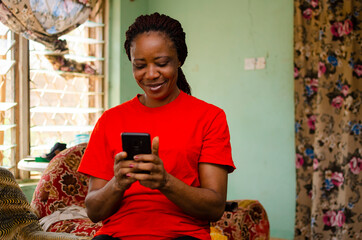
136	143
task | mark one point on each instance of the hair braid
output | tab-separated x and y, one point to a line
172	28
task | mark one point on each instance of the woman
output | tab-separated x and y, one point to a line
191	155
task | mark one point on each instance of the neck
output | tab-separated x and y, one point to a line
153	103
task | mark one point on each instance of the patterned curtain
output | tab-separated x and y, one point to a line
44	21
328	86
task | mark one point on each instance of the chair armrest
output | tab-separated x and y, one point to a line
244	219
30	232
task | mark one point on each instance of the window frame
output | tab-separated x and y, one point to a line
21	74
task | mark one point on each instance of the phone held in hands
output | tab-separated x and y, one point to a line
136	143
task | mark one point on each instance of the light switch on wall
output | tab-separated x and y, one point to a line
249	63
260	63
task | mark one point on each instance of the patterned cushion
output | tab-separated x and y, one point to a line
60	186
17	220
248	221
15	212
217	233
80	227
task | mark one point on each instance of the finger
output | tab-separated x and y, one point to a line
126	172
121	168
140	176
155	145
143	166
144	158
119	157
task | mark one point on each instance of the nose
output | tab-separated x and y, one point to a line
151	72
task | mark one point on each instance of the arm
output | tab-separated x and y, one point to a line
104	197
206	202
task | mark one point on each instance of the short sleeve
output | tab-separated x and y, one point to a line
216	147
97	160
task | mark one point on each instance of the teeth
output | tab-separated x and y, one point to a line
156	88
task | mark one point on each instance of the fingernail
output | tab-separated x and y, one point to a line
128	175
131	166
135	157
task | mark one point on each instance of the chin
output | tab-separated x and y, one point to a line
157	96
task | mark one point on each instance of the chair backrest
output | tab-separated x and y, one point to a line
60	184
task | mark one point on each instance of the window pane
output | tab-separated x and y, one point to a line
64	104
7	98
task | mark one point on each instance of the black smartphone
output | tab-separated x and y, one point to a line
136	143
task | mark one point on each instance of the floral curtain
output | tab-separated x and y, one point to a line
45	21
328	86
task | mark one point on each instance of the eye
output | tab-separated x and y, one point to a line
139	66
162	64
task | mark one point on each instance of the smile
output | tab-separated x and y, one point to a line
155	87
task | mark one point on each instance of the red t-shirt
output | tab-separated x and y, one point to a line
190	131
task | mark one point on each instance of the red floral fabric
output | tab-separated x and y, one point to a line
248	221
60	186
79	227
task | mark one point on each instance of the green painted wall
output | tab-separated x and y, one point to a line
114	58
258	103
122	14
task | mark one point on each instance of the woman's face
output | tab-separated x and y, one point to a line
155	67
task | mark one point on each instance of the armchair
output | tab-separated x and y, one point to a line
62	186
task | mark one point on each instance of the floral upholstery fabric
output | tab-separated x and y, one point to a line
217	233
80	227
61	186
248	221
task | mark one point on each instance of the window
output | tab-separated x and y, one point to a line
67	95
7	98
46	98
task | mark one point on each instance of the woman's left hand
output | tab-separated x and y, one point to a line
204	202
156	175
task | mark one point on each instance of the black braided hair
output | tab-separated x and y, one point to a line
172	28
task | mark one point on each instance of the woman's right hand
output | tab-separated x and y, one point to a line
122	170
104	197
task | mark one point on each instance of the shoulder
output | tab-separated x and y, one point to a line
115	113
130	104
202	106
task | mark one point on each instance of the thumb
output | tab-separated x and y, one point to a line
155	145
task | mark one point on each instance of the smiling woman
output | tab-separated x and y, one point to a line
182	184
